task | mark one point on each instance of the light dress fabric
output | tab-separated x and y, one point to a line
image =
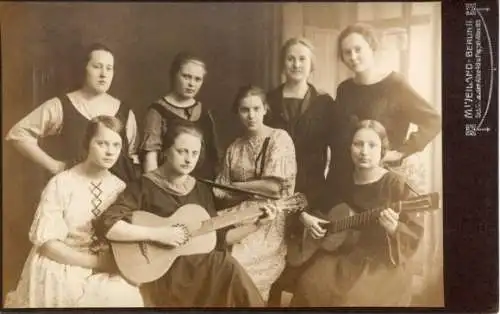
262	253
69	203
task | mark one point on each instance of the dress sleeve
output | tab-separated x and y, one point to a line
127	202
49	223
418	111
152	140
131	131
281	162
44	121
224	176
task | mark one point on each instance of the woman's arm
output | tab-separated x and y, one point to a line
266	186
63	254
150	161
152	142
131	131
237	234
44	121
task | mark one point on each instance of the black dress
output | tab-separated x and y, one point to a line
203	280
161	114
67	146
375	270
311	123
392	102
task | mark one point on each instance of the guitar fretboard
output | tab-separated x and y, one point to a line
419	203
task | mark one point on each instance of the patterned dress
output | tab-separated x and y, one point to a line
262	253
68	205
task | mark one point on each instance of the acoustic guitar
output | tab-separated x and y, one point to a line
141	262
301	249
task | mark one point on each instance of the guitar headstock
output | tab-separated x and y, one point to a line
296	202
425	202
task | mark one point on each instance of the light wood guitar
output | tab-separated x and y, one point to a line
301	249
141	262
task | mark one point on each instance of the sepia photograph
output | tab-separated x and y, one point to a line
222	155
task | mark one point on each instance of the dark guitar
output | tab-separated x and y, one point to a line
301	250
141	262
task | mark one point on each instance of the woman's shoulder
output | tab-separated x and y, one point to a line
279	134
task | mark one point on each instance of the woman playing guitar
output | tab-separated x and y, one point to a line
370	268
201	280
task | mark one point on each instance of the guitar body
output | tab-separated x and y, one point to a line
300	250
141	262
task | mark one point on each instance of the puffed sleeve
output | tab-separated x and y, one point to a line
127	202
152	140
280	162
133	140
44	121
49	223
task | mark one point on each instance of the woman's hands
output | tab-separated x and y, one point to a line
389	219
313	225
175	235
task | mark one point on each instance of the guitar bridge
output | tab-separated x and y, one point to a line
144	251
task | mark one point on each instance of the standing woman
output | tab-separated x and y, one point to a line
305	113
67	116
371	268
67	266
213	279
263	161
186	78
378	94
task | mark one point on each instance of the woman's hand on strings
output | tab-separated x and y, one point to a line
313	225
175	235
389	219
270	213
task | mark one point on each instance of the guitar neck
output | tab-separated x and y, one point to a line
226	220
418	203
289	204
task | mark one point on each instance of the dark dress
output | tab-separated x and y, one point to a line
311	125
392	102
203	280
373	270
67	146
161	114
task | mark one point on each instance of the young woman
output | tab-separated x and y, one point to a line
186	78
372	268
382	95
63	267
67	116
305	113
310	118
262	160
214	279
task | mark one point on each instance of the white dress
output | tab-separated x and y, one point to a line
261	253
67	207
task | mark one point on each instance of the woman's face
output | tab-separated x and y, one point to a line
183	155
189	80
104	148
252	111
366	149
298	63
99	71
357	53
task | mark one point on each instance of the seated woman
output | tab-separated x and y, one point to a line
214	279
371	268
62	268
262	160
